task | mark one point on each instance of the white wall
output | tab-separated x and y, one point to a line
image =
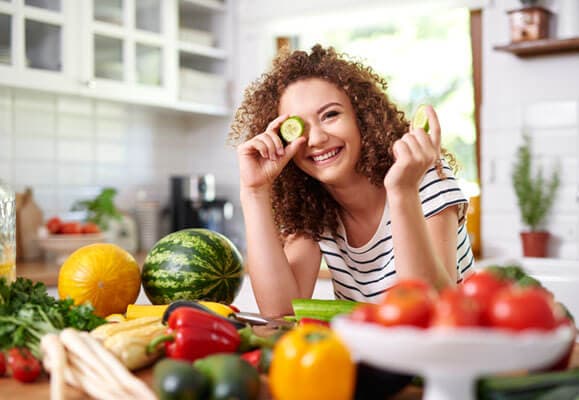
67	148
539	95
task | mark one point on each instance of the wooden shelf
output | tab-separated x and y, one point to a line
541	47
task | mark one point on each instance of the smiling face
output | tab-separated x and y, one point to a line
333	140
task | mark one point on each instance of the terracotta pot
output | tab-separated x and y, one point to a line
535	243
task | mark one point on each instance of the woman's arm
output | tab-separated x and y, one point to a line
424	249
277	274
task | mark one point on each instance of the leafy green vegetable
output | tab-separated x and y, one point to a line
27	312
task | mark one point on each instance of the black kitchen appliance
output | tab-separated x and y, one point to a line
193	204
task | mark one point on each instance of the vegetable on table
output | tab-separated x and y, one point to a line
92	368
323	310
179	380
23	366
311	363
525	387
193	334
129	340
27	313
230	377
147	310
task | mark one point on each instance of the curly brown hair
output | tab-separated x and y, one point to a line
301	205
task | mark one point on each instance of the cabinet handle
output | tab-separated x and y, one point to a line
90	83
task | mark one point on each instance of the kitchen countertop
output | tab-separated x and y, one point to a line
47	271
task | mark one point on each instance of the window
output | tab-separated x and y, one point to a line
426	58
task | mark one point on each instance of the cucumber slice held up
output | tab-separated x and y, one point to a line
292	128
421	118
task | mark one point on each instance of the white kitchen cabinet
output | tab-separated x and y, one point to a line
37	44
165	53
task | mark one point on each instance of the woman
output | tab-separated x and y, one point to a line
359	188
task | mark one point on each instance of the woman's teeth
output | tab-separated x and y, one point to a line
325	156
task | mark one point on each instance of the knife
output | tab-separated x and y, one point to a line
258	319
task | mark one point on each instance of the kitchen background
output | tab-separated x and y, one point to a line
67	134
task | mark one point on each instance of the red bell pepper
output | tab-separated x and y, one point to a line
193	334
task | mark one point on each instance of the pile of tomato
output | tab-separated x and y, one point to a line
58	227
20	364
484	299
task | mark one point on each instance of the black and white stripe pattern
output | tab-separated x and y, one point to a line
365	273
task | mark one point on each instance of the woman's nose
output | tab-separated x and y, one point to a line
316	135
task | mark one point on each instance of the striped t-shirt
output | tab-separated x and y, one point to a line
365	273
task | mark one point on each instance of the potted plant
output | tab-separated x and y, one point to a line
535	196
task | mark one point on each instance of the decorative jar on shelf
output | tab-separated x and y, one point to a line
7	233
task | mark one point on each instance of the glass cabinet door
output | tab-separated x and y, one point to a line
5	39
128	42
36	45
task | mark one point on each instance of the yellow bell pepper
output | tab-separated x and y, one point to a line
311	363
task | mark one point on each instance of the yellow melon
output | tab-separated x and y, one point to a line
102	273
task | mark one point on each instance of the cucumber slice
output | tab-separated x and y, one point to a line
421	118
292	128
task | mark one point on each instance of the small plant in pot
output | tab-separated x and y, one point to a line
535	197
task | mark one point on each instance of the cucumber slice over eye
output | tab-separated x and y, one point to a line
421	118
292	128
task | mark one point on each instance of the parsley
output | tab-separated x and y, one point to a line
27	313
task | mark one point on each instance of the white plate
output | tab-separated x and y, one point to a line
450	360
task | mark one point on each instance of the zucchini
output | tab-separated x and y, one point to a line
525	387
323	310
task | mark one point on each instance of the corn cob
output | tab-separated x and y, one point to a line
128	340
130	346
107	330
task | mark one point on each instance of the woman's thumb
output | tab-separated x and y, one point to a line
292	148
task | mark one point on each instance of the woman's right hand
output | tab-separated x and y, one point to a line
262	158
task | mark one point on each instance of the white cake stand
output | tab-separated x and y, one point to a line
451	360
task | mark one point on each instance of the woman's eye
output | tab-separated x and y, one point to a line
330	114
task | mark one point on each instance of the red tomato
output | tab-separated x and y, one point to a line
23	365
518	309
482	286
364	313
90	227
71	228
2	364
53	225
454	308
410	302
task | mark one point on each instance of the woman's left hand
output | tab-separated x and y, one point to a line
414	153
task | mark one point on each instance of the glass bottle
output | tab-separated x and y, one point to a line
7	233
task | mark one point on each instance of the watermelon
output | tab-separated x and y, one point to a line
192	264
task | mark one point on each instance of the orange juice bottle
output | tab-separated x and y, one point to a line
7	233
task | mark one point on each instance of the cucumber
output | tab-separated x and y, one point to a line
323	310
292	128
421	118
525	387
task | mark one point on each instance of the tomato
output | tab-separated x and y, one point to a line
71	228
410	302
23	365
518	309
454	308
2	364
482	286
90	227
53	225
364	313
